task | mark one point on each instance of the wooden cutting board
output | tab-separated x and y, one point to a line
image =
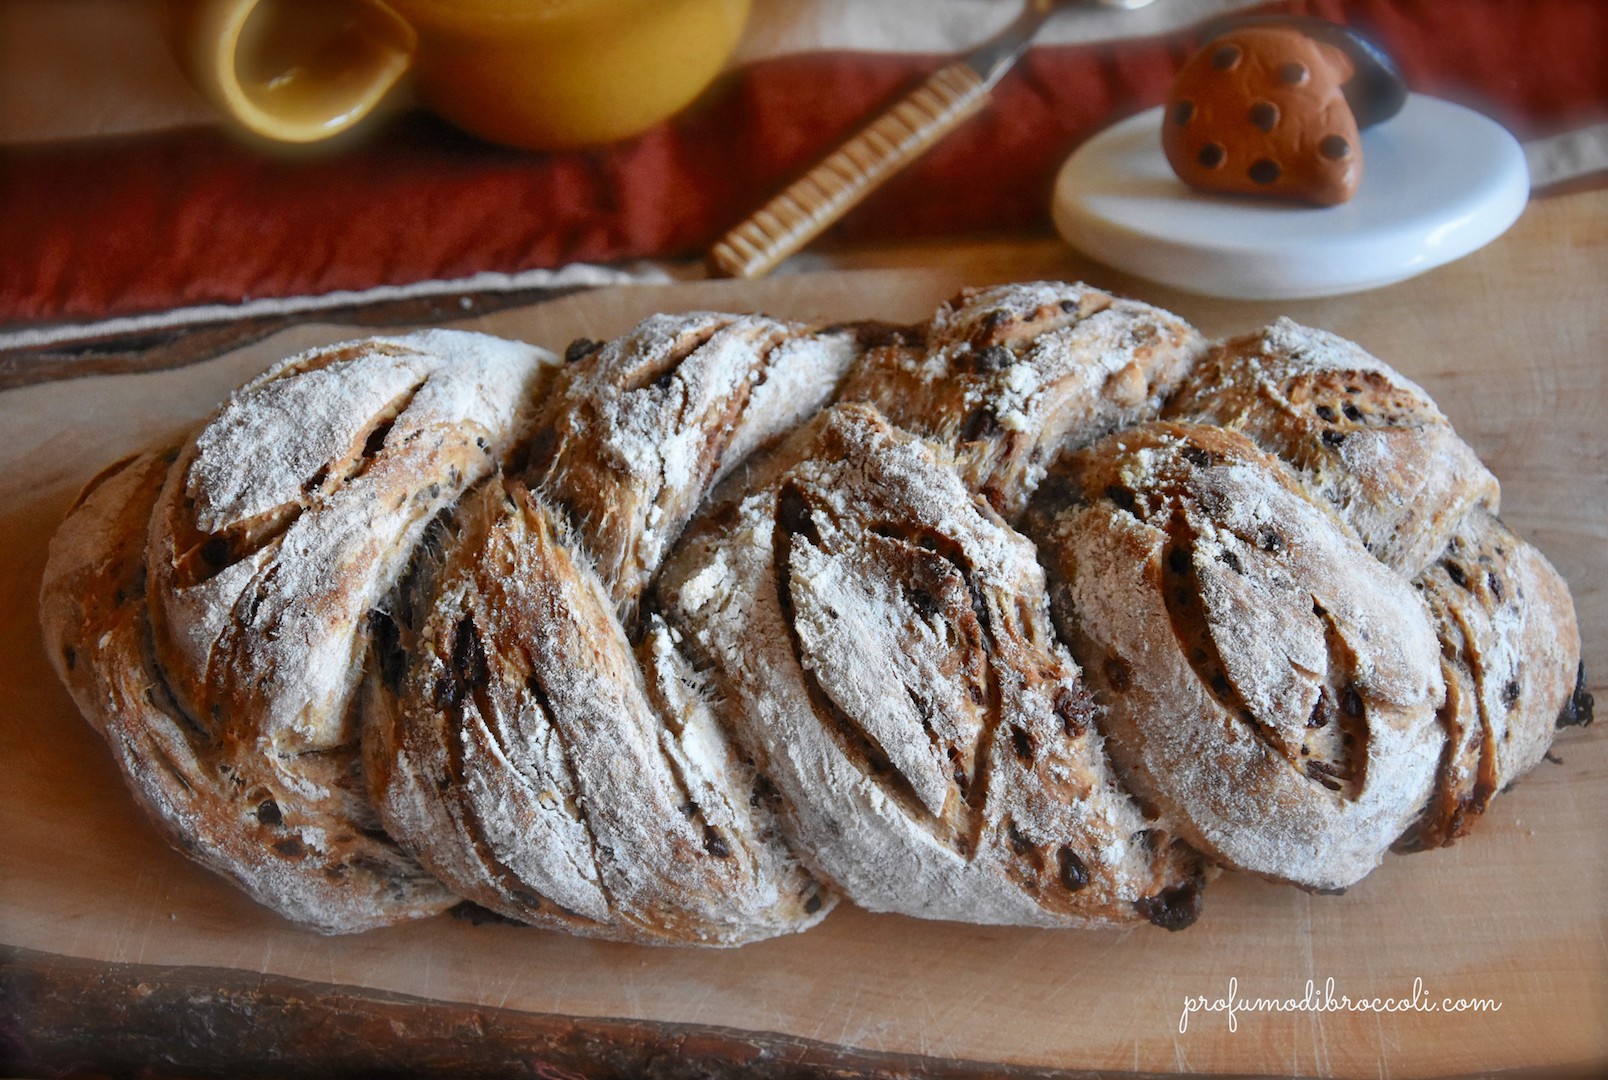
178	967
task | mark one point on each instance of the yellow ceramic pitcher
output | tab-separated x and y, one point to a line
541	74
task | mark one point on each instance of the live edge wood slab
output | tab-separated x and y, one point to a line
117	955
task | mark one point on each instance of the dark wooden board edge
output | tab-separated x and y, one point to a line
65	1016
192	343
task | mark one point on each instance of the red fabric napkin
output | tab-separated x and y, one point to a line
123	226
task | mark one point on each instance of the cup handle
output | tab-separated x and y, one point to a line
291	70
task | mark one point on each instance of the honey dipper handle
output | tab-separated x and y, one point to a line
828	191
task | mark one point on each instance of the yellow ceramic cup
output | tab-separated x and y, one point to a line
540	74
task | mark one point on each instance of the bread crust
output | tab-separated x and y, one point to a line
538	742
1363	437
1009	376
325	866
881	641
1510	645
1265	682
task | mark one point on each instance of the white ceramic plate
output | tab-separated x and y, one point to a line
1439	181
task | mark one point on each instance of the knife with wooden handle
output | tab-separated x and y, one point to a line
889	143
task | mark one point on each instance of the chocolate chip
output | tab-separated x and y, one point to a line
1232	561
994	358
1334	147
1455	572
1075	711
1323	773
1325	413
469	655
979	424
1197	457
1271	541
1334	438
1353	413
1494	583
581	348
1510	693
1265	171
290	847
1265	115
1225	58
1351	702
924	602
1022	744
688	809
215	552
1172	909
268	813
1019	843
813	904
1183	112
1118	673
1292	73
715	844
1074	875
1211	155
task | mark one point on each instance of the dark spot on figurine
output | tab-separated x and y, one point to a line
1183	112
1211	155
1226	58
1265	115
1265	171
1334	147
69	656
1292	74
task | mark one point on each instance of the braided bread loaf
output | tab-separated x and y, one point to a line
1040	613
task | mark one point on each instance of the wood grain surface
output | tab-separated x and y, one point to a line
1511	342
